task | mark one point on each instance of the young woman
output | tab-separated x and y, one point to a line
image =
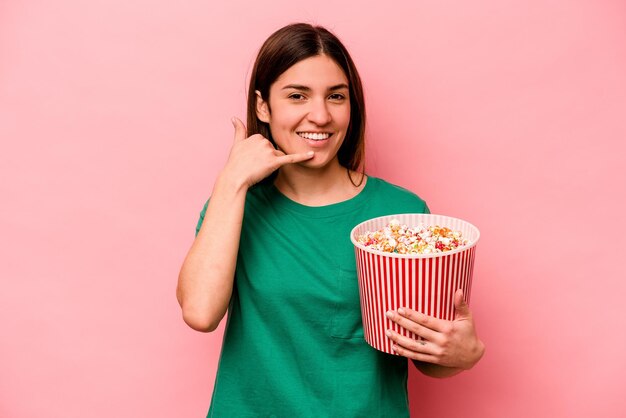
273	249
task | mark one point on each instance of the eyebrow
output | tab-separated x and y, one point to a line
305	88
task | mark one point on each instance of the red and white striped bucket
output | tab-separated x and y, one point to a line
423	282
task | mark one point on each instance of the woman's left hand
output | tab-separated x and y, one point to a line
452	344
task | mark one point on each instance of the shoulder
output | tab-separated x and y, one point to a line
397	196
258	197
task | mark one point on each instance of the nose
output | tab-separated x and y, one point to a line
319	113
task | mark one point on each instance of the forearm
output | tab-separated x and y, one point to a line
435	370
206	278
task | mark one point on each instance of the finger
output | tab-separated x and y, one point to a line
428	358
416	322
460	306
240	129
294	158
419	346
426	321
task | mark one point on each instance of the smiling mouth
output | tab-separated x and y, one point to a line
314	136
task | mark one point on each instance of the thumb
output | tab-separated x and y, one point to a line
240	129
461	307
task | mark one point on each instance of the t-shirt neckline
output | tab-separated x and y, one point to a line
333	209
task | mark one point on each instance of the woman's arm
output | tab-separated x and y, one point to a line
435	370
205	282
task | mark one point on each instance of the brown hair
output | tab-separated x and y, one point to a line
286	47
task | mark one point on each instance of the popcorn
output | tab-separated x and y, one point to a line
400	239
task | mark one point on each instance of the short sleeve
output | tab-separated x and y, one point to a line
202	213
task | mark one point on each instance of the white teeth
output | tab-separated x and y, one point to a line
315	136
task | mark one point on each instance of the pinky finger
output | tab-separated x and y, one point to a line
427	358
294	158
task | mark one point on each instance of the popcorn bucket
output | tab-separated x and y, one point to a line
422	282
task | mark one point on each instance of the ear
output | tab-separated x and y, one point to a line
262	108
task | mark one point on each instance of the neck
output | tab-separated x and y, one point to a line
317	186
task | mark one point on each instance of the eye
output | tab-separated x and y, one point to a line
337	97
296	96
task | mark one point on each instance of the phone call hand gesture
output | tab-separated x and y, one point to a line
253	158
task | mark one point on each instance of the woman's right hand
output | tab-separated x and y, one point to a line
205	282
254	158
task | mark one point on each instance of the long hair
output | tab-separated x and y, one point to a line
286	47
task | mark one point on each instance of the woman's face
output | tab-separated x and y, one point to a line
310	109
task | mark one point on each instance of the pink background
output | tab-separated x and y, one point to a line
114	120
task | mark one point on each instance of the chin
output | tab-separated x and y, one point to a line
317	163
312	163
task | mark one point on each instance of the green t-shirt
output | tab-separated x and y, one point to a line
293	345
